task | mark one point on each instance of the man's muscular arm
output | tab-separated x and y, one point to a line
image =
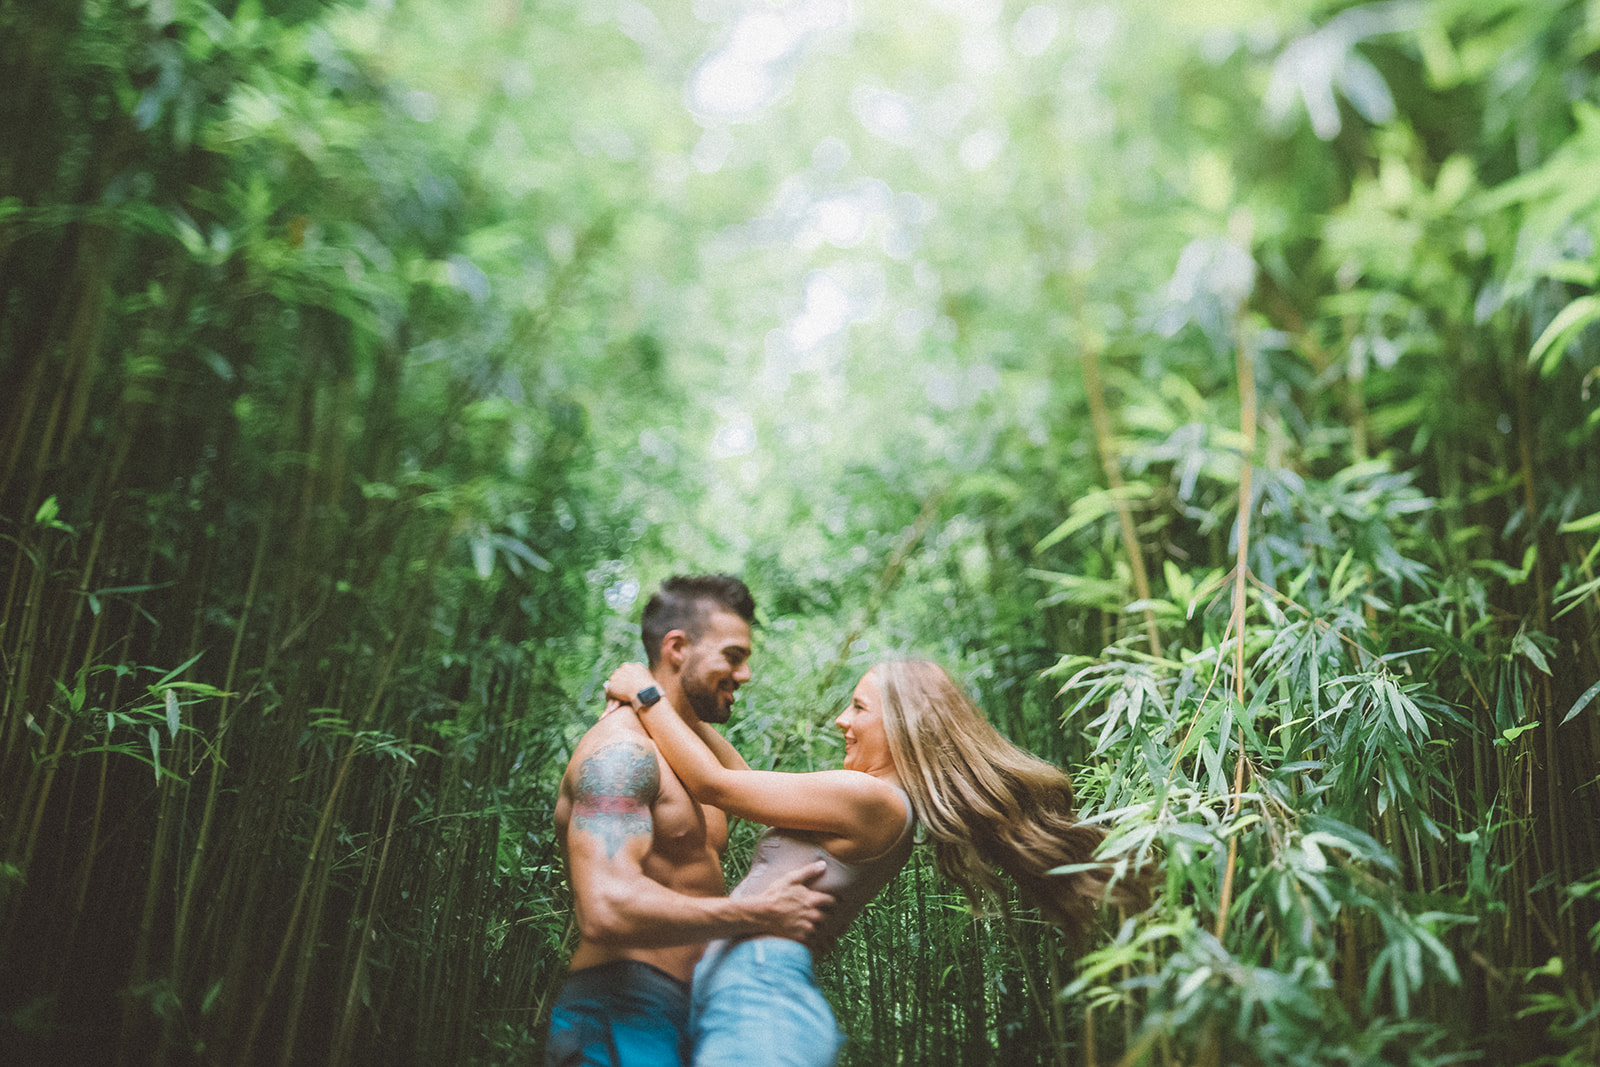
609	836
613	793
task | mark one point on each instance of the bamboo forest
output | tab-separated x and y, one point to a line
1212	388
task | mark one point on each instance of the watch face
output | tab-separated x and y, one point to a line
648	696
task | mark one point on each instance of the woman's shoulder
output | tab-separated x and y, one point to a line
880	799
859	783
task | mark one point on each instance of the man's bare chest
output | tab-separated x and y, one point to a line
685	829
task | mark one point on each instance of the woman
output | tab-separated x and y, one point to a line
915	747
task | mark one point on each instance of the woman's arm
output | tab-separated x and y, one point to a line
848	804
720	747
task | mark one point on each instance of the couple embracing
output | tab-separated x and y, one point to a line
670	971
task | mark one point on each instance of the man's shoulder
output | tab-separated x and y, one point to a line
614	759
621	726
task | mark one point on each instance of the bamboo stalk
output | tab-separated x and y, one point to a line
203	838
11	721
345	1034
350	945
1058	1011
65	643
1247	416
87	862
139	971
242	973
1106	445
308	950
324	822
85	297
21	710
18	425
84	339
1557	840
41	798
887	579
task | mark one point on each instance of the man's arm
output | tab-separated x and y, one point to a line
609	836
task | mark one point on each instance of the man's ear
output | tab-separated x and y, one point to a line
674	648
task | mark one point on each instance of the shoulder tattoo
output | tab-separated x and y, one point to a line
615	788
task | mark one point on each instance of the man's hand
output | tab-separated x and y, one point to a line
789	907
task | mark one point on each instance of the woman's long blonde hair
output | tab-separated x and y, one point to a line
987	803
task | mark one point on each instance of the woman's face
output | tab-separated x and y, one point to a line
866	744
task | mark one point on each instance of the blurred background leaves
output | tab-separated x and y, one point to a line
368	363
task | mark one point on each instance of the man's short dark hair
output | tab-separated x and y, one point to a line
686	602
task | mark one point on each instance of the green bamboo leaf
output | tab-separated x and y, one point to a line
155	752
1553	968
1068	526
1158	607
1076	868
172	713
174	672
1573	272
1102	593
1413	959
1576	596
1509	735
1337	590
1242	823
1558	336
120	589
1193	982
482	556
1583	525
1524	645
1410	706
523	551
1087	509
1218	779
199	689
210	1000
1581	703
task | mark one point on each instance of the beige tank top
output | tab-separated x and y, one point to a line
779	851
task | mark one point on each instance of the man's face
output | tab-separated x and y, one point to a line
716	665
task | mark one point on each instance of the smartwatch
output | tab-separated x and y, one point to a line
648	696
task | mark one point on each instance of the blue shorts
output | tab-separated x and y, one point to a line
619	1014
756	1001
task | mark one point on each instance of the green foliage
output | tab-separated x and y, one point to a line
368	363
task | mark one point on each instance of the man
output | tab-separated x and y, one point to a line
645	858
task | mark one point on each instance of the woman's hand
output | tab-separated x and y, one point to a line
626	681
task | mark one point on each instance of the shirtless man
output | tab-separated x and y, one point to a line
645	859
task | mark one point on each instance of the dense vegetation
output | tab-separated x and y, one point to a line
366	362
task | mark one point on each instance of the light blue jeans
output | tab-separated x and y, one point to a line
756	1004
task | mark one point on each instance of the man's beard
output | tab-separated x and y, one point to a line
705	703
